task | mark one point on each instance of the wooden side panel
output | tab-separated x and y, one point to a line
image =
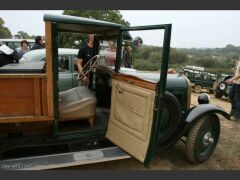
16	97
49	64
17	119
135	81
37	97
44	97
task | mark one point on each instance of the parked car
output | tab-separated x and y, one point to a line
120	114
16	43
221	88
66	66
200	79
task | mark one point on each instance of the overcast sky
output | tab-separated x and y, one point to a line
189	28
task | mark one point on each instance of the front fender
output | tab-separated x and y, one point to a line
189	120
203	109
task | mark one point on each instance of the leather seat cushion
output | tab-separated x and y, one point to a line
78	102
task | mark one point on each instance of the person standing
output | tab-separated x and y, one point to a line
127	57
38	43
24	48
7	55
111	54
234	94
85	53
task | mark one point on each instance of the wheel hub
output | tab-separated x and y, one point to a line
222	86
208	139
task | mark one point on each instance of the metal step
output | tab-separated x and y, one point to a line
64	159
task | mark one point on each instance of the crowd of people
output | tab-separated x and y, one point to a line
8	55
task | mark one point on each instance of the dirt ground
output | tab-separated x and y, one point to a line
225	157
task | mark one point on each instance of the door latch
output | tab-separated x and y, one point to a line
119	89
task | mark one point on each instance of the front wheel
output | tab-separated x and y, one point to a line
203	138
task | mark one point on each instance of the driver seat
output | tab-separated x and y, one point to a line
77	103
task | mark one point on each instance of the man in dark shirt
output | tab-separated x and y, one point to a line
85	53
38	43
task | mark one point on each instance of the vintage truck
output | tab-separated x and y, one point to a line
121	114
200	79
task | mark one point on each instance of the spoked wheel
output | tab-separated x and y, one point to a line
203	138
88	67
197	88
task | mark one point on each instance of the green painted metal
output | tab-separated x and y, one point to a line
55	76
65	19
159	101
119	51
83	133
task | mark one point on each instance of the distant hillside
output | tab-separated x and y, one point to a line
218	60
230	51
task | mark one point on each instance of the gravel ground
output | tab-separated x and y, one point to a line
225	157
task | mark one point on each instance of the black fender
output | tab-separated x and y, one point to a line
203	109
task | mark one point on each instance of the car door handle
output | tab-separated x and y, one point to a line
119	89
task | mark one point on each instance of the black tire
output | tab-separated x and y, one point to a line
222	87
197	88
171	117
198	145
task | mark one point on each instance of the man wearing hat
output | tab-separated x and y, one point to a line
7	55
234	94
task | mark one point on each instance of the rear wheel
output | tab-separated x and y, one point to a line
197	88
203	138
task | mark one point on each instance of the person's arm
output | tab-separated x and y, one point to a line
80	61
79	64
236	76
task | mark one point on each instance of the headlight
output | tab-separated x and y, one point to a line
203	98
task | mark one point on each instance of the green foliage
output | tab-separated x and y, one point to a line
68	39
145	65
217	60
4	31
177	57
105	15
23	35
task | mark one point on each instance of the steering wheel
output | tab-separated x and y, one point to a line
88	67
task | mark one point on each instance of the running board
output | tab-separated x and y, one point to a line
64	159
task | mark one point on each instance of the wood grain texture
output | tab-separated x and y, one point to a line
49	65
21	76
16	97
37	97
16	119
44	97
135	81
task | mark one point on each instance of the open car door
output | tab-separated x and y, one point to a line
131	118
136	107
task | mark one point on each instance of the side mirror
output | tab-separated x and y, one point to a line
137	42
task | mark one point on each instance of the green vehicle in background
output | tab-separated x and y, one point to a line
221	88
199	78
66	65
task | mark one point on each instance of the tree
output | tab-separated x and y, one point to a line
23	35
68	39
106	15
4	31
